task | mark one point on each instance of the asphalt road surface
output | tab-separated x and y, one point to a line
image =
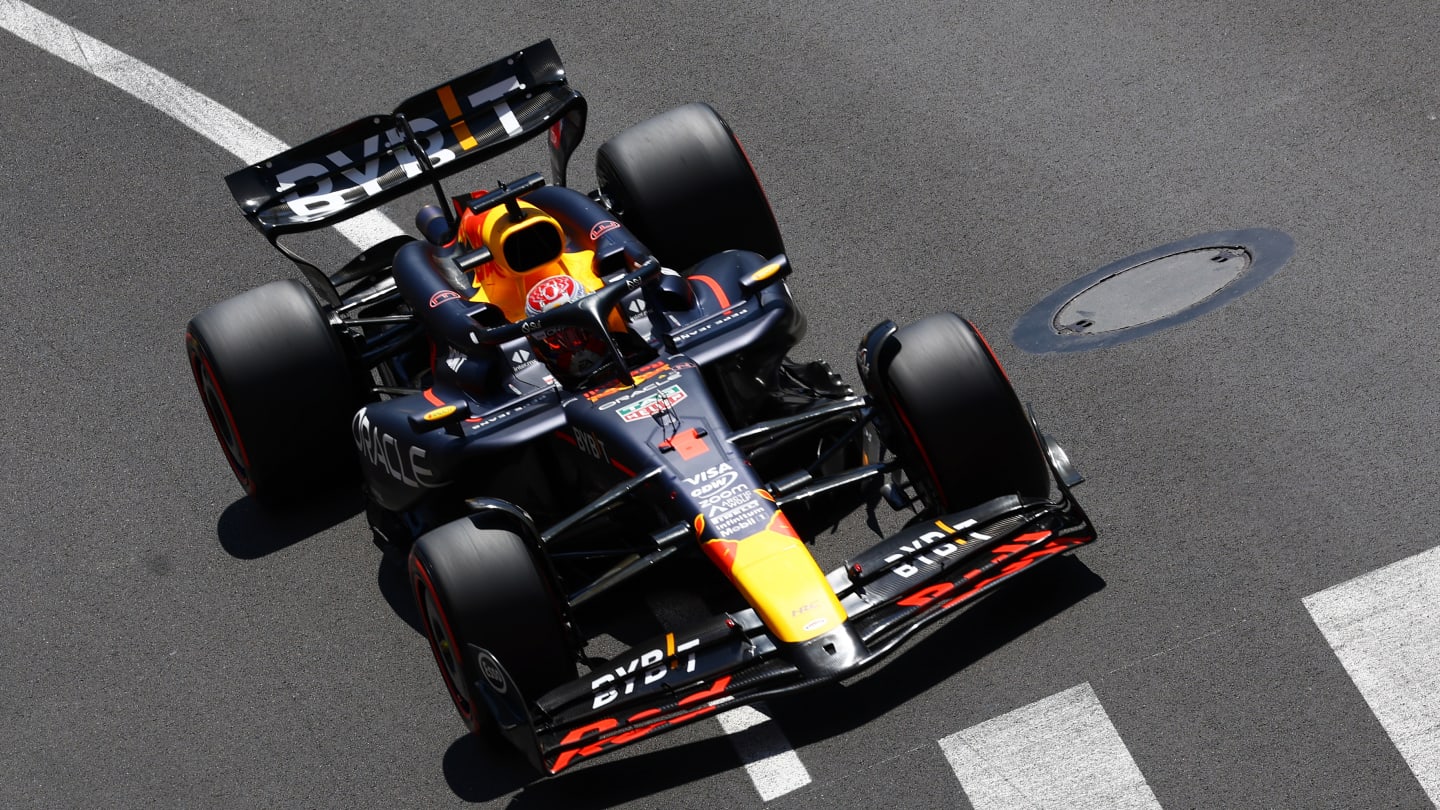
168	643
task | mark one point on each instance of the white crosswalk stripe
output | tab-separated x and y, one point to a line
202	114
772	765
1060	752
1385	629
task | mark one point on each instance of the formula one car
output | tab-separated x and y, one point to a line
551	396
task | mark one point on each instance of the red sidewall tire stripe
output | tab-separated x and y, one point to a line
241	466
424	586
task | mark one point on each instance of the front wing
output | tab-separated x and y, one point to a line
906	582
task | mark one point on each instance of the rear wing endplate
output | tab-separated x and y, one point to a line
368	162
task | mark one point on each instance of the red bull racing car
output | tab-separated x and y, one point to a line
550	395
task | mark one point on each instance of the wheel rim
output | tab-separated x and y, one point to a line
442	642
221	419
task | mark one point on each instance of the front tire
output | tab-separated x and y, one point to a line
482	587
280	390
683	185
954	420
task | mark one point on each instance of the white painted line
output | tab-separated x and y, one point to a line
207	117
773	766
1060	752
1385	629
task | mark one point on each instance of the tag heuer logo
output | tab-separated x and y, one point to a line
652	405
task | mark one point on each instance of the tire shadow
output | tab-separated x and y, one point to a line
392	578
248	530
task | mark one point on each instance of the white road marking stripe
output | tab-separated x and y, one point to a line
1385	629
773	766
207	117
1060	752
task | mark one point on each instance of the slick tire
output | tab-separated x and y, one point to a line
481	586
961	433
280	391
682	184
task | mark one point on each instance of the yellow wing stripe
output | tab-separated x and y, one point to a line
457	118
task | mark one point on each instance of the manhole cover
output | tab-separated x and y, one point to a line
1153	290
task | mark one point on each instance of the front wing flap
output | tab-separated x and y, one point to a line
907	581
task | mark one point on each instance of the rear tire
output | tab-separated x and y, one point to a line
280	391
956	425
482	587
682	184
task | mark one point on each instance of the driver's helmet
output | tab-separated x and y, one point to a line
571	352
527	275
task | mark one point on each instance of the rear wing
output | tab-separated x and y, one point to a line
368	162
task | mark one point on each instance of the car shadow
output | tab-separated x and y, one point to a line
249	530
991	624
392	577
485	771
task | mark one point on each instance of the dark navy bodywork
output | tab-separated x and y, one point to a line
723	337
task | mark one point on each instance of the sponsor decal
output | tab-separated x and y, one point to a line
644	389
602	227
551	292
322	199
714	479
726	498
925	544
312	186
439	413
991	571
651	405
649	667
384	452
654	671
729	509
736	312
490	420
734	513
708	698
492	672
737	515
640	375
441	297
591	445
